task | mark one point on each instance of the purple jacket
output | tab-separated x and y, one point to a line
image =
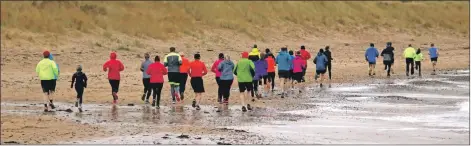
261	67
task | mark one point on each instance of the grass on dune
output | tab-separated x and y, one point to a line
164	20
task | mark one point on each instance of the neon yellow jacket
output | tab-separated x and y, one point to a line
419	57
255	52
409	52
47	69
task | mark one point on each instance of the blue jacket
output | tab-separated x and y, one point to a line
291	58
145	66
283	60
320	61
226	68
58	70
371	54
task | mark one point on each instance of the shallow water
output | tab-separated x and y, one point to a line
411	111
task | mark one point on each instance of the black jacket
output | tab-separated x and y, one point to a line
328	54
388	50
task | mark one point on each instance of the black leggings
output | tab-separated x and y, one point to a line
271	78
114	87
387	65
410	63
184	78
418	66
157	88
255	87
220	96
329	68
147	88
79	91
226	88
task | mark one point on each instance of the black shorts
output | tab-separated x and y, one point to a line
372	63
298	76
197	84
245	86
283	74
48	85
434	59
174	78
320	71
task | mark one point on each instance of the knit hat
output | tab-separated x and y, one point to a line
245	55
46	53
221	56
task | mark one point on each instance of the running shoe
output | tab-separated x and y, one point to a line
249	107
153	103
52	106
115	101
147	101
143	97
198	107
80	109
157	107
193	104
244	109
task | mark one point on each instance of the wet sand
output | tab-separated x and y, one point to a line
427	110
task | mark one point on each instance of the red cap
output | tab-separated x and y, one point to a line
245	54
46	53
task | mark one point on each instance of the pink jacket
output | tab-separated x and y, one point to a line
214	68
298	64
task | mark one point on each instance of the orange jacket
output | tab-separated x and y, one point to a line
185	65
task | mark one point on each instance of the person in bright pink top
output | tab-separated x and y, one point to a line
156	71
114	67
299	66
215	70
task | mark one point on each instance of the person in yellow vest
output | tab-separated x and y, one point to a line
418	58
409	54
254	54
47	71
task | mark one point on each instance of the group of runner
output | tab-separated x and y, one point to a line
412	56
250	70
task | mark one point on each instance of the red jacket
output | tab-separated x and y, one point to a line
271	64
185	65
197	69
113	66
214	68
305	55
156	71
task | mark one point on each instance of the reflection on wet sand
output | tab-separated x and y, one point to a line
114	112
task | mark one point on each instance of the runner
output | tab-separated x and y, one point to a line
146	78
388	56
254	56
183	74
433	52
260	71
370	55
226	68
245	70
197	71
47	70
298	66
291	73
418	58
284	63
389	45
328	54
306	56
255	53
80	80
215	70
173	61
270	77
156	71
409	54
321	60
113	66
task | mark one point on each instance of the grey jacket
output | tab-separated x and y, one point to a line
226	68
144	67
173	61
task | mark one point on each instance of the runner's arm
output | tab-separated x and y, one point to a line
121	66
105	66
73	80
142	67
205	71
85	79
